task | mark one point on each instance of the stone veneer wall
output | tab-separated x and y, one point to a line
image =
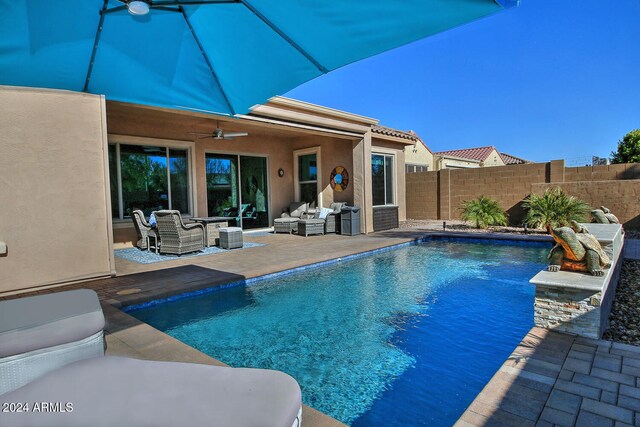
439	194
564	308
568	310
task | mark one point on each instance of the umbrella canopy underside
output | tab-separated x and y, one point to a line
222	56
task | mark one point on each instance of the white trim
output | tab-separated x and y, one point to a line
394	180
190	146
290	102
317	150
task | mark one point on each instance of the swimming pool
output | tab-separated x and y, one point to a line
402	337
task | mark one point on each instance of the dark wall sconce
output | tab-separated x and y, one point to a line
280	172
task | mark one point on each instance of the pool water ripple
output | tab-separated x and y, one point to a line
404	337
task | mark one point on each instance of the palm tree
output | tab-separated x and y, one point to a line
484	212
554	208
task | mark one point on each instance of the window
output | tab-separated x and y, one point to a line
308	178
148	178
382	179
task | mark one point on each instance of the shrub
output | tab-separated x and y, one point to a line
554	208
484	212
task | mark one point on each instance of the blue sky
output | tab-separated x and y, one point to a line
549	79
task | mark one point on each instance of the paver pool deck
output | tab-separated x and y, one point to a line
550	379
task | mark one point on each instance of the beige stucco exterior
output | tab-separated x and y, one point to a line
54	200
338	139
418	154
493	159
56	214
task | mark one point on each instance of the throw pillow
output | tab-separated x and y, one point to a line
324	212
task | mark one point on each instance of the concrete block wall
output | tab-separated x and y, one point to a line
622	197
439	194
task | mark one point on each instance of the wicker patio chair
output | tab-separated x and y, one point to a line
144	230
332	222
176	237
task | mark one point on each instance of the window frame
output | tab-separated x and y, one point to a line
391	158
167	144
296	172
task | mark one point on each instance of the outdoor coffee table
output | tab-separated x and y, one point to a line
212	224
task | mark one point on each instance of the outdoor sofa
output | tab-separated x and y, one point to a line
288	221
76	385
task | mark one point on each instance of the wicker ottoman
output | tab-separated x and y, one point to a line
285	225
231	237
42	333
310	226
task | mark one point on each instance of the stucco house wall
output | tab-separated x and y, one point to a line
54	199
419	155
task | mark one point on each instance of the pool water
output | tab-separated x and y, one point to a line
399	338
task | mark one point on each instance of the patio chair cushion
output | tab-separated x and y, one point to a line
336	207
286	220
296	209
115	391
42	321
324	212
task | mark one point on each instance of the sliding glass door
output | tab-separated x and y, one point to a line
253	176
237	189
222	187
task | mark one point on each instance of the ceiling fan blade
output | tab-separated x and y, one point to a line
200	133
235	134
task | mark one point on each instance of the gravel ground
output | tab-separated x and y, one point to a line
625	314
457	225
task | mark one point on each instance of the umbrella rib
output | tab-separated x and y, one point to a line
85	88
206	59
288	39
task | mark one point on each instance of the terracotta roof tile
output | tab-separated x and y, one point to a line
383	130
508	159
478	153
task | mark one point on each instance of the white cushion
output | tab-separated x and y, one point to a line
324	212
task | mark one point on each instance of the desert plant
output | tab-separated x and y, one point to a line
484	212
554	208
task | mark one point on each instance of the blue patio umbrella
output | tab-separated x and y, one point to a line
221	56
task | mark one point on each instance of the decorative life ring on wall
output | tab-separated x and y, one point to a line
339	178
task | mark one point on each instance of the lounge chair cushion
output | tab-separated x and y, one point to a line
286	220
296	209
42	321
115	391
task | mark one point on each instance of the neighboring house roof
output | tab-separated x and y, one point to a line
481	154
508	159
410	135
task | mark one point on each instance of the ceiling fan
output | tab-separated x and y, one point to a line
219	134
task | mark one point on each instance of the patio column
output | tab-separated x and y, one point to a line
362	193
